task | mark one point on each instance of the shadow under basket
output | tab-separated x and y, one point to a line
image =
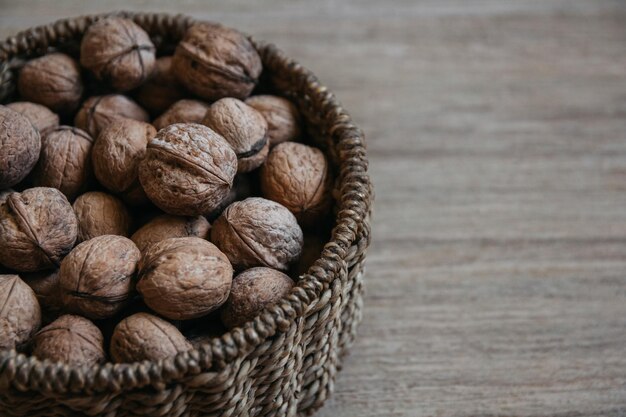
284	362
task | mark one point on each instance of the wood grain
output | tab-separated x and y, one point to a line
497	137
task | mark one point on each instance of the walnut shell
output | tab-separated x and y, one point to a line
96	278
282	116
40	116
117	153
143	336
20	315
183	111
98	112
70	339
252	291
19	144
45	284
184	278
118	52
243	128
37	229
167	226
162	88
53	80
258	232
188	169
101	214
65	161
214	61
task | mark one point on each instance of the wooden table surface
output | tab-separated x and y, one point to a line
496	280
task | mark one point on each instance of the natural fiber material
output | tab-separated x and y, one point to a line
284	362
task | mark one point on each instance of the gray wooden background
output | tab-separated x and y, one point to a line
497	137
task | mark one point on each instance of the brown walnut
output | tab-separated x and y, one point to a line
183	111
98	112
214	61
96	278
40	116
70	339
188	169
53	80
258	232
37	229
45	284
184	278
243	128
252	291
65	161
101	214
19	147
118	52
167	226
282	116
20	315
162	88
143	336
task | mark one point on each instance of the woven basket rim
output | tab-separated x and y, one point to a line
219	351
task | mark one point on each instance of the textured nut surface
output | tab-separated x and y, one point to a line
258	232
118	52
65	161
53	80
162	88
242	189
188	169
19	147
252	291
298	177
244	129
37	229
98	112
167	226
118	151
20	315
282	116
40	116
101	214
214	61
143	336
70	339
183	111
45	284
96	278
184	278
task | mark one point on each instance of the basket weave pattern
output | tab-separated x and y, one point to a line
285	361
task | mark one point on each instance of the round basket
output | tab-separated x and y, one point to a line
284	362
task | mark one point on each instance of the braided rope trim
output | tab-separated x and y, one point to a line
28	373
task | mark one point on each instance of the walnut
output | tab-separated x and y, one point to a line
167	226
45	284
183	111
20	315
188	169
116	156
252	291
19	144
258	232
96	278
53	80
298	177
243	128
65	161
101	214
214	61
37	229
118	52
70	339
184	278
98	112
40	116
282	116
162	88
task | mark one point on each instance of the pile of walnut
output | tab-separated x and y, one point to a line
106	249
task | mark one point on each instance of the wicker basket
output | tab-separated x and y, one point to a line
284	362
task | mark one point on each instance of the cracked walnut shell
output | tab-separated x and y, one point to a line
98	112
20	144
101	214
20	315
